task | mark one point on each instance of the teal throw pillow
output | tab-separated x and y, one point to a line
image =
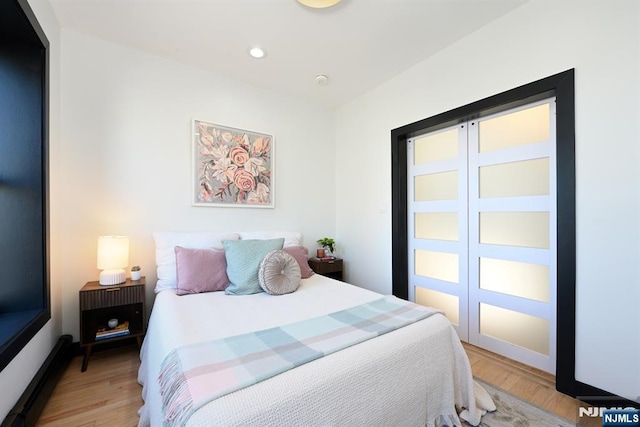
243	262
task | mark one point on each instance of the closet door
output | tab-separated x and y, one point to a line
437	186
512	234
482	230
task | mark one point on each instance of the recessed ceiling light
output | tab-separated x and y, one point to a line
256	52
319	4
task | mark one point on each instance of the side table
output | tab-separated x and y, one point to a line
98	304
330	268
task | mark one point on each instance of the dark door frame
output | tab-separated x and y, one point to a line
561	86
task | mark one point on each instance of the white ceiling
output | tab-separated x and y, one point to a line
358	44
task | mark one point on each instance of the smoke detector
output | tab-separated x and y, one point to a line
321	79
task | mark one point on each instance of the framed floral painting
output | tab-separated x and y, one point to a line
231	167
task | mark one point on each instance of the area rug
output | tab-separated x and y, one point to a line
512	411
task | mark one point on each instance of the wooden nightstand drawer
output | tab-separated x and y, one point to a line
330	268
111	297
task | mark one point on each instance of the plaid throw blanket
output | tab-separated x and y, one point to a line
196	374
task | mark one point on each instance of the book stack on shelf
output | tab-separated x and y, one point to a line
104	332
325	258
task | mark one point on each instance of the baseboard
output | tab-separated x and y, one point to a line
30	405
601	398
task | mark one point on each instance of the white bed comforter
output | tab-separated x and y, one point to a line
414	376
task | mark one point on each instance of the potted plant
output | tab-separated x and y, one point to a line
135	272
328	245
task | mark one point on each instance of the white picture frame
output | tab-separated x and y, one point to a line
231	167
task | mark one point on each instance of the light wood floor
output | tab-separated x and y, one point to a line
108	394
533	385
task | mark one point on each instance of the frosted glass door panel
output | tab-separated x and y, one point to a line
521	329
511	130
436	186
436	225
437	169
445	302
527	229
516	179
481	223
436	147
519	279
437	265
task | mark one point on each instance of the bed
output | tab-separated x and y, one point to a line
416	375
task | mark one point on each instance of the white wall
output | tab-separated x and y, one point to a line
120	161
120	164
124	164
16	376
600	39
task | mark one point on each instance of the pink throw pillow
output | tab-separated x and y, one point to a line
301	255
200	270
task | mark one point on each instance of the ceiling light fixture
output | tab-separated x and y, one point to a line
256	52
319	4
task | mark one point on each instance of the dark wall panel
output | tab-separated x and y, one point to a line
24	250
21	206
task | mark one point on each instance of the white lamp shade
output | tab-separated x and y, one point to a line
113	252
113	257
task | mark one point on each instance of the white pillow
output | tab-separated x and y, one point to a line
165	251
291	238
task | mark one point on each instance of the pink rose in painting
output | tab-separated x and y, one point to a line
244	180
238	155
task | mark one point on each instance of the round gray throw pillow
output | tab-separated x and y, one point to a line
279	273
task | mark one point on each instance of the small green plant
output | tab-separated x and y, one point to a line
328	243
135	268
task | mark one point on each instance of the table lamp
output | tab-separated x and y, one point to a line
113	258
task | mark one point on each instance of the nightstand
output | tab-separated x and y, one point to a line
98	304
330	268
